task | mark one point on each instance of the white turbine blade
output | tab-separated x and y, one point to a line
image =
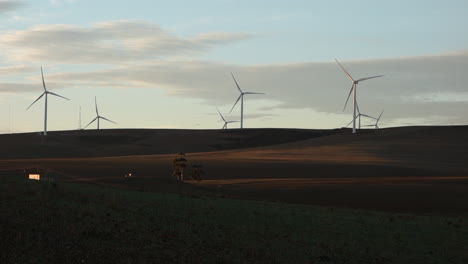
95	104
367	78
235	103
36	100
349	95
368	116
345	71
232	122
378	119
357	106
43	82
221	114
224	126
90	123
252	93
238	87
108	120
380	115
352	120
368	125
58	95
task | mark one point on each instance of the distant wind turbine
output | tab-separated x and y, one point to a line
241	98
45	109
376	125
98	116
354	88
359	117
225	126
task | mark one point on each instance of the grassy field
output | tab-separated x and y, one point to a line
78	223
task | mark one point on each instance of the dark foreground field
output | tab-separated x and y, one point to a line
76	223
397	195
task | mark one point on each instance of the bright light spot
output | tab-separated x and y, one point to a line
34	177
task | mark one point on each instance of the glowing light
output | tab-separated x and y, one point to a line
34	177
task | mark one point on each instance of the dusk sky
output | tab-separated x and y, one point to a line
167	64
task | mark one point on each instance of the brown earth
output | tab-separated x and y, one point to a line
407	169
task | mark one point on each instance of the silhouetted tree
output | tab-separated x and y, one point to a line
179	164
196	172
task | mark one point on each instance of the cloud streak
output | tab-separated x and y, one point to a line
6	5
112	42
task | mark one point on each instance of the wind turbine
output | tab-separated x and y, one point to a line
46	93
354	88
359	117
241	98
376	125
98	116
225	122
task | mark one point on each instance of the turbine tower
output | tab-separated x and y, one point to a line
79	120
225	126
354	88
98	116
241	98
46	93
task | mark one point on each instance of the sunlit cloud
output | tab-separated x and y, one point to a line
17	69
112	42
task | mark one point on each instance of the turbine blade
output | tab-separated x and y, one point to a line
345	71
232	122
349	123
238	87
378	119
36	100
43	82
369	116
367	78
221	114
108	120
90	123
357	106
350	91
252	93
224	126
236	102
58	95
95	104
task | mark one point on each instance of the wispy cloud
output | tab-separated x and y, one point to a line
112	42
17	69
8	5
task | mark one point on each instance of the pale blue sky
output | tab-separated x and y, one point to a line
258	40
